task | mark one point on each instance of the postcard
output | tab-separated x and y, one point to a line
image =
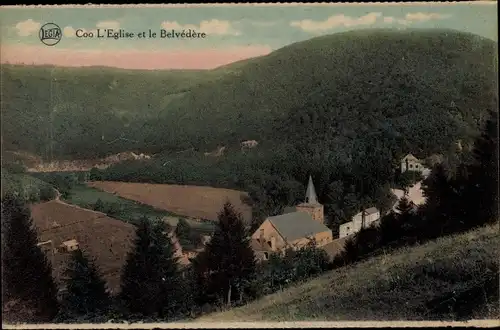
250	165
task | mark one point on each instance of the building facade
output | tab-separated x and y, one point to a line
361	220
294	229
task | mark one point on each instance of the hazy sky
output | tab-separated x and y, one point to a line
233	32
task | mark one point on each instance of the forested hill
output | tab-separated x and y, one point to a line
410	89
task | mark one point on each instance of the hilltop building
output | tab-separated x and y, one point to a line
412	163
294	229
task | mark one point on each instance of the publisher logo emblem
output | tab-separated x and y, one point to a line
50	34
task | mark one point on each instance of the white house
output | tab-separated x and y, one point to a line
361	220
412	163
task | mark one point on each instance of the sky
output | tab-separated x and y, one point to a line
232	32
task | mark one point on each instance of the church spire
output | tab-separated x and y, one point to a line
311	197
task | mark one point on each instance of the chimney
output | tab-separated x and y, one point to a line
363	218
261	237
273	243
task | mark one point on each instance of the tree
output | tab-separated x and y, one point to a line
482	187
27	274
228	260
99	206
150	279
442	206
86	292
183	229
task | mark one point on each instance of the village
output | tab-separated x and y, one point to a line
297	227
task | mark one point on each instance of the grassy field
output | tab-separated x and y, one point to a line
126	209
416	283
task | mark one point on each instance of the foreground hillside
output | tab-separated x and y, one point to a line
410	87
410	284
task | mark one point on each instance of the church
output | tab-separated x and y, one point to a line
294	229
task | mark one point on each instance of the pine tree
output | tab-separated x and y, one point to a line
482	187
86	292
150	279
406	220
183	230
442	202
26	272
229	261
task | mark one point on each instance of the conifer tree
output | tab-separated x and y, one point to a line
442	199
182	230
86	292
150	279
26	272
229	261
482	187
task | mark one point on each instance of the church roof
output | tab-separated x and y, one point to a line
296	225
311	197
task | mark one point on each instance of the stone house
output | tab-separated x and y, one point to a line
361	220
294	229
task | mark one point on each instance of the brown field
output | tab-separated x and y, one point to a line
106	239
190	201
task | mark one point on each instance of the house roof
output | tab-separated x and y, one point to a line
71	242
410	157
371	210
296	225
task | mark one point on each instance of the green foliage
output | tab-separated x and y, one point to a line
151	282
227	267
183	229
99	205
14	167
26	272
95	174
455	202
26	187
408	178
295	265
86	292
482	191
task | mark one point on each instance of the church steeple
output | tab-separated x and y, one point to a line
311	197
311	204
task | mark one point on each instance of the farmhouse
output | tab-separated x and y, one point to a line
68	246
361	220
294	229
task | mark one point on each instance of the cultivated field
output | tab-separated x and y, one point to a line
190	201
106	239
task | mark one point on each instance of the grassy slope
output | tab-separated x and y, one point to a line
391	287
167	109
